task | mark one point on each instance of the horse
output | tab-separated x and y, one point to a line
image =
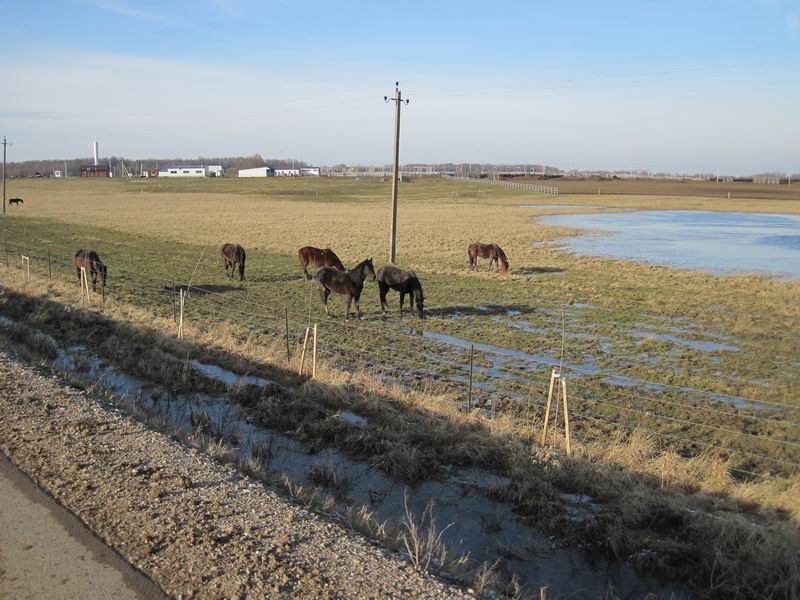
15	201
89	260
318	257
232	255
349	283
493	252
405	282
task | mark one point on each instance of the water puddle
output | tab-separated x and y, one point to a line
473	523
701	345
561	206
723	243
228	377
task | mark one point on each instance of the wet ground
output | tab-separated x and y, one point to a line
719	242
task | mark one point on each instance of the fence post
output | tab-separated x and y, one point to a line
288	356
7	255
174	308
26	262
566	414
469	396
49	266
553	377
303	353
103	290
314	355
180	318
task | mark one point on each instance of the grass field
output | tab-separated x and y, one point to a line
654	324
704	514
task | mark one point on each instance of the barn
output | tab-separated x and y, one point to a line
192	171
95	171
257	172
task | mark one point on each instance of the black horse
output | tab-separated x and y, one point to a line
349	283
405	282
15	201
89	260
232	255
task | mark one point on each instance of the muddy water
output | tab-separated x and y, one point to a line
720	242
473	523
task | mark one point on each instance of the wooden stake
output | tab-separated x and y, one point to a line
49	265
553	377
26	262
180	317
566	414
303	353
314	355
85	286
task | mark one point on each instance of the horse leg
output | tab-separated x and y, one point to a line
383	289
347	311
94	280
304	264
402	299
358	304
78	269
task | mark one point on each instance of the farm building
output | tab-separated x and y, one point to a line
95	171
299	172
191	171
257	172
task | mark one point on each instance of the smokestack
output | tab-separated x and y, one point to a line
95	154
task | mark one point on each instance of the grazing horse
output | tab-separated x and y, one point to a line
15	201
349	283
89	260
493	252
319	257
232	255
405	282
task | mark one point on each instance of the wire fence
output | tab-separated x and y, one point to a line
514	185
757	436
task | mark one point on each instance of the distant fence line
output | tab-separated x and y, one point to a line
528	187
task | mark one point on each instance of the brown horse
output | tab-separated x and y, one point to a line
405	282
319	257
493	252
350	283
89	260
15	201
232	255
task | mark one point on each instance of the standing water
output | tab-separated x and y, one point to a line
719	242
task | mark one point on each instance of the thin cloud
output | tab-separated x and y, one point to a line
120	8
792	24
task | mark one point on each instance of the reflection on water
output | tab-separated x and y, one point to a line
720	242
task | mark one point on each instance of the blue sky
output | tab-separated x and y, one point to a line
660	85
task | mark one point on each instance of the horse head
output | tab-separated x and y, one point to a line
369	270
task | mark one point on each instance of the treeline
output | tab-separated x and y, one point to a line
135	166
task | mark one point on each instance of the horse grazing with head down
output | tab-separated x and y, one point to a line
233	255
493	252
319	257
348	283
405	282
17	201
89	260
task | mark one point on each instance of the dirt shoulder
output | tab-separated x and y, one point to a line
197	528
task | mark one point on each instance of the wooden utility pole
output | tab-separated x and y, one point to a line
398	100
5	143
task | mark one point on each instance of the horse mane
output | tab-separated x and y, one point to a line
502	256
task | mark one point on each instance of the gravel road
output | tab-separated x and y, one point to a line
197	528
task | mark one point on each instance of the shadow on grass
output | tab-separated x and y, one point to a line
669	529
538	270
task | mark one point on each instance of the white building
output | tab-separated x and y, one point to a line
298	172
309	171
192	171
287	172
257	172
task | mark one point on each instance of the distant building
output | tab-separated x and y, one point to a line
95	171
191	171
257	172
298	172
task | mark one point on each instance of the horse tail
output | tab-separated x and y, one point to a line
242	256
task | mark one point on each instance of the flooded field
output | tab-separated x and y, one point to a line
720	242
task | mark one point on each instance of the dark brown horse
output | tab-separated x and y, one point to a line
232	255
350	283
493	252
318	257
405	282
15	201
89	260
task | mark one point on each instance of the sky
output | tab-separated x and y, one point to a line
676	86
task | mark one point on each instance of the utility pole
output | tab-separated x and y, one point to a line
398	100
5	143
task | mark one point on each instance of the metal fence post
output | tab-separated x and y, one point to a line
49	266
288	356
469	396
